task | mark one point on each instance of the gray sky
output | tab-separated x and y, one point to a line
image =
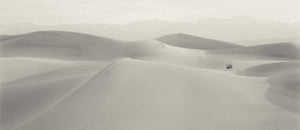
125	11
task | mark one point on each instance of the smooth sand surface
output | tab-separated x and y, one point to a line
271	68
23	98
20	67
283	78
193	42
167	97
55	80
78	46
277	51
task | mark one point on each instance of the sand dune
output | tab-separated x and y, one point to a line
63	45
271	69
278	51
284	91
193	42
168	97
23	98
63	81
283	78
77	46
8	37
160	52
20	67
22	101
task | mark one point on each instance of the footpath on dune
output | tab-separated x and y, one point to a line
134	94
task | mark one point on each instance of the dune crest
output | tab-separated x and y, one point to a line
58	80
161	96
193	42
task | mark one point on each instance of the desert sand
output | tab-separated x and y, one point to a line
54	80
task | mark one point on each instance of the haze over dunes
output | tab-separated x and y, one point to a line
193	42
243	30
66	80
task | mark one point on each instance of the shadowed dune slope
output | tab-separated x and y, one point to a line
194	42
63	45
24	98
15	68
283	78
163	96
277	51
284	90
270	69
77	46
8	37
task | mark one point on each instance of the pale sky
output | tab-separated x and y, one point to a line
125	11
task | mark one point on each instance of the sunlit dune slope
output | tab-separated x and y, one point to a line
132	94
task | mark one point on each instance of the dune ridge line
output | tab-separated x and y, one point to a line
94	76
